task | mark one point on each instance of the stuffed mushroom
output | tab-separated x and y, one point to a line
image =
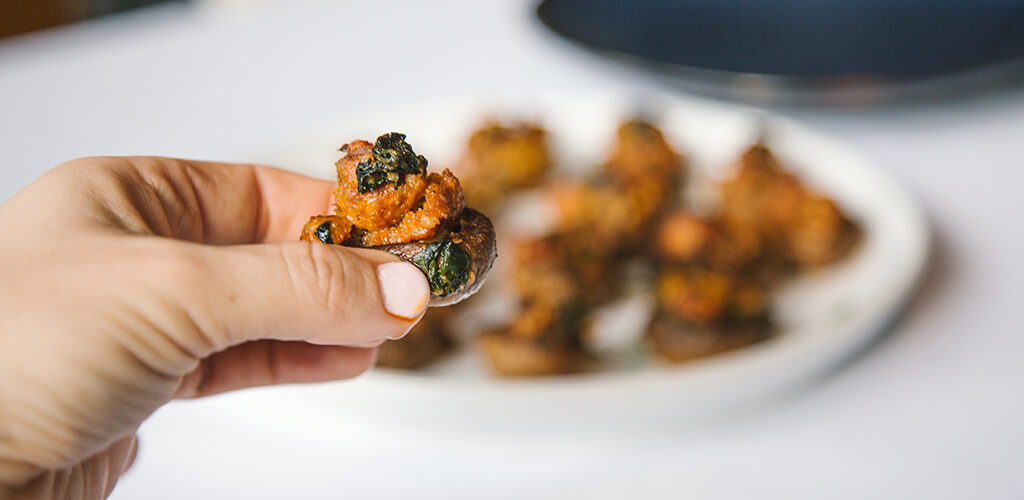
386	200
702	312
500	159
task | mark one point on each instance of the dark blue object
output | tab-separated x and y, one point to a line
799	38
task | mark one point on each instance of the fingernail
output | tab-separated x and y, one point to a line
403	288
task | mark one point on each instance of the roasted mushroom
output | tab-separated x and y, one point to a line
386	200
703	312
515	357
770	209
641	152
612	213
818	233
456	260
503	158
543	339
678	341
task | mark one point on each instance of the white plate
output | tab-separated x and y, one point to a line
826	316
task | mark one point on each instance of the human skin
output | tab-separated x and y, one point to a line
128	282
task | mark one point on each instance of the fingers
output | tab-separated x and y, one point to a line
255	204
298	291
132	455
219	203
271	362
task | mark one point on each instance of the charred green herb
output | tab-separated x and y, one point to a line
392	158
446	266
323	233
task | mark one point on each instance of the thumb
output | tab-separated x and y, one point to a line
306	291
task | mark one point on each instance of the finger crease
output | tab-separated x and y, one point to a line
261	219
206	373
272	366
192	176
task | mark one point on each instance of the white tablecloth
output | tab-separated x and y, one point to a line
934	410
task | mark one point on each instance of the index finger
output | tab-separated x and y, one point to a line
236	204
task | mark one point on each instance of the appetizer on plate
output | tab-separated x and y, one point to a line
625	230
500	159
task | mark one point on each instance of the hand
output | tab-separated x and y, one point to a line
131	281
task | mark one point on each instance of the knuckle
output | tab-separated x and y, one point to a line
325	276
89	169
188	295
181	264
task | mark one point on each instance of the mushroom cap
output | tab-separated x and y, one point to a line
473	233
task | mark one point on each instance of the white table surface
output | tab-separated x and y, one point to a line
934	410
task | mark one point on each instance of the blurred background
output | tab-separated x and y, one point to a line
931	91
24	17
